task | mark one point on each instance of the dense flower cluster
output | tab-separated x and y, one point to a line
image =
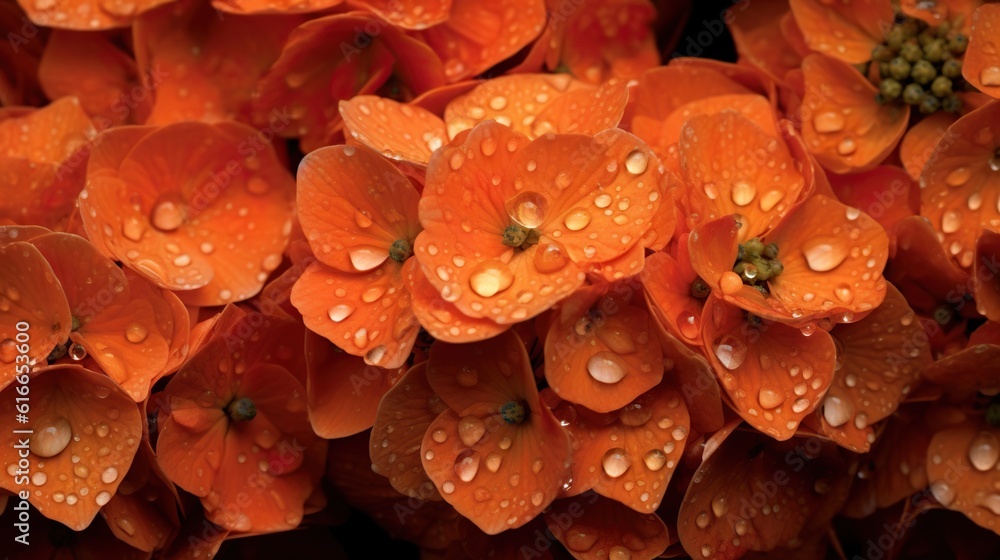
499	278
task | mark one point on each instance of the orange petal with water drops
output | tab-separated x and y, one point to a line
87	15
602	40
477	36
879	359
628	265
254	7
735	175
833	256
921	263
343	392
515	101
774	373
896	465
146	213
603	359
404	414
766	36
690	373
354	205
756	108
920	143
600	528
584	110
885	193
206	67
411	14
580	185
981	65
143	513
85	433
971	369
735	504
961	463
171	319
660	93
399	131
368	313
499	475
847	32
34	313
629	455
118	329
440	318
842	124
300	92
961	185
89	66
986	269
668	283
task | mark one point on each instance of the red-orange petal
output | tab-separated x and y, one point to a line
986	270
774	374
961	463
885	193
981	65
847	32
595	528
85	433
399	131
842	124
439	317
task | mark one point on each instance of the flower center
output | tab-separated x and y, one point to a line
919	66
757	263
700	289
400	250
242	410
512	412
519	236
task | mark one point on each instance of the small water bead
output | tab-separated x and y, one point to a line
579	540
951	221
606	367
636	162
467	376
615	462
367	258
958	176
770	398
338	313
577	219
984	451
136	333
167	216
847	147
654	459
470	430
549	258
743	193
730	351
837	411
830	121
467	465
990	76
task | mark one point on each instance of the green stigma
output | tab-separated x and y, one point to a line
242	410
400	250
512	412
756	263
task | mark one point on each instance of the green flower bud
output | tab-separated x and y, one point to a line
958	44
951	69
899	68
912	94
941	86
929	104
890	89
923	72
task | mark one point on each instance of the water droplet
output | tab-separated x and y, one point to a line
549	258
730	351
831	121
730	282
636	162
136	333
844	293
951	221
619	553
367	257
719	506
51	437
579	540
467	376
847	147
770	199
770	398
109	475
167	216
133	229
823	254
493	461
338	313
467	465
990	76
606	367
984	451
702	520
577	219
362	218
654	459
471	430
258	186
837	411
635	414
372	294
490	278
528	209
943	492
616	462
743	193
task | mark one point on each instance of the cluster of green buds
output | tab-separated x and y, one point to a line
920	66
756	263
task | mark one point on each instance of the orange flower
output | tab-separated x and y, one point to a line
360	216
203	209
675	293
306	82
757	495
507	223
87	14
255	7
234	430
594	527
477	35
43	174
143	513
84	435
768	37
496	454
599	351
847	32
205	67
960	185
981	67
831	257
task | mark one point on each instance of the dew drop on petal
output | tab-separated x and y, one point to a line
577	219
338	313
823	254
984	451
636	162
743	193
167	216
528	209
730	351
136	333
837	411
366	257
471	430
606	367
467	465
830	121
490	278
51	437
770	398
654	459
616	462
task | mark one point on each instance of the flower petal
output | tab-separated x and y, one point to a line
848	32
601	528
440	318
986	269
400	131
981	65
960	468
